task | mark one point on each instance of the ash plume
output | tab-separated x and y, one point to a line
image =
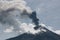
18	4
33	17
8	16
7	12
35	20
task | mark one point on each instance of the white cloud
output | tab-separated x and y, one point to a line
8	30
19	4
13	17
28	28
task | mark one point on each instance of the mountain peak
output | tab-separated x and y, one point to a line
44	34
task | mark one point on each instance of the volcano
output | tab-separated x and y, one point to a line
44	34
48	35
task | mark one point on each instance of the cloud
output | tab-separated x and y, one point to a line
8	30
25	28
13	20
10	12
19	4
28	28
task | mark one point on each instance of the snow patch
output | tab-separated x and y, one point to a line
57	32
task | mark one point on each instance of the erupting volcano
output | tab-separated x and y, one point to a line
42	35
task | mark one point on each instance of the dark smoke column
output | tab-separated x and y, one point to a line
35	20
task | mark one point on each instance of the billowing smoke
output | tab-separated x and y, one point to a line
33	17
35	20
18	4
8	17
11	13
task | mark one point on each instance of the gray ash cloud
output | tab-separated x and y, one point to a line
33	17
35	20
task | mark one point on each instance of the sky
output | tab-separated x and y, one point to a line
48	12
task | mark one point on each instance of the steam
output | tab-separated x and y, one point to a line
33	17
11	13
9	30
28	28
18	4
